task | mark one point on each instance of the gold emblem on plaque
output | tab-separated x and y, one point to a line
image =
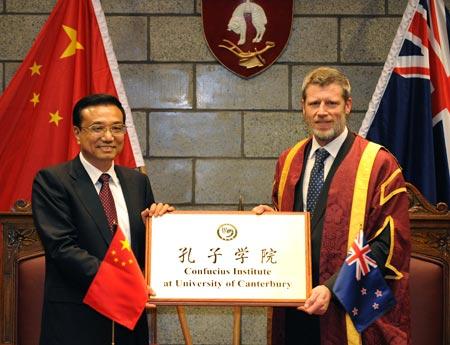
227	232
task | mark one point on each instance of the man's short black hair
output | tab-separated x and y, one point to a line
93	100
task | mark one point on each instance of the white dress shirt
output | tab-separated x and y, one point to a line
333	148
116	190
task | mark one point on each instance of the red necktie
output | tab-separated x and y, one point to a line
107	200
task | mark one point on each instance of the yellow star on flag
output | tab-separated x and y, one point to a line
73	45
126	245
55	118
35	99
35	69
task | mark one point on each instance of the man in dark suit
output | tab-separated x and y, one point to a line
76	229
347	184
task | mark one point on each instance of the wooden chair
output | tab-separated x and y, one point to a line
22	275
429	271
22	278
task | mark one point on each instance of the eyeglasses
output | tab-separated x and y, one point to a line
101	129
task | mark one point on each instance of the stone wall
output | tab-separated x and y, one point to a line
207	135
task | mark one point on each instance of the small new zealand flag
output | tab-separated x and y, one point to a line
361	288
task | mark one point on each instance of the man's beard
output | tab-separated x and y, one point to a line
332	133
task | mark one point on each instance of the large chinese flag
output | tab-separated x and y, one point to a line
71	57
118	290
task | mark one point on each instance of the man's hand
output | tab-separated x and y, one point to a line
318	302
156	210
150	293
260	209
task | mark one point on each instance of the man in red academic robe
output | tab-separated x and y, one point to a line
355	185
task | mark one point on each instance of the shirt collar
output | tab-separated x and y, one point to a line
94	173
332	147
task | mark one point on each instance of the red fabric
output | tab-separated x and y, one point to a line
118	290
30	140
394	326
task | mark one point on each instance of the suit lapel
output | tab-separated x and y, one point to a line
88	196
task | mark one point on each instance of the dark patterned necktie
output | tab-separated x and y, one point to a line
316	179
107	200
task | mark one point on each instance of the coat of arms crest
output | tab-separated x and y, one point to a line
247	36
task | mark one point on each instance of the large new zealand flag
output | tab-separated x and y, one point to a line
409	111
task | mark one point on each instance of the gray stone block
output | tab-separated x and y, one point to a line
397	6
212	325
17	34
208	325
10	69
168	326
254	326
218	88
362	78
268	134
312	39
121	29
158	86
367	39
148	6
354	121
171	179
140	123
29	6
222	181
195	134
178	39
339	7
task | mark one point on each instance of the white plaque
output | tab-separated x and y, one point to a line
229	258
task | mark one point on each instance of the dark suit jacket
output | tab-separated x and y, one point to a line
72	225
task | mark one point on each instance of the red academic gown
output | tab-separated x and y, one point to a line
386	210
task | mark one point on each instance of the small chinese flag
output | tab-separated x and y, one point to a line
71	57
118	290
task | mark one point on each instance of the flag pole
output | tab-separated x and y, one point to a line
113	341
153	313
237	310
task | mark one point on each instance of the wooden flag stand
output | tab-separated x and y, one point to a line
237	312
